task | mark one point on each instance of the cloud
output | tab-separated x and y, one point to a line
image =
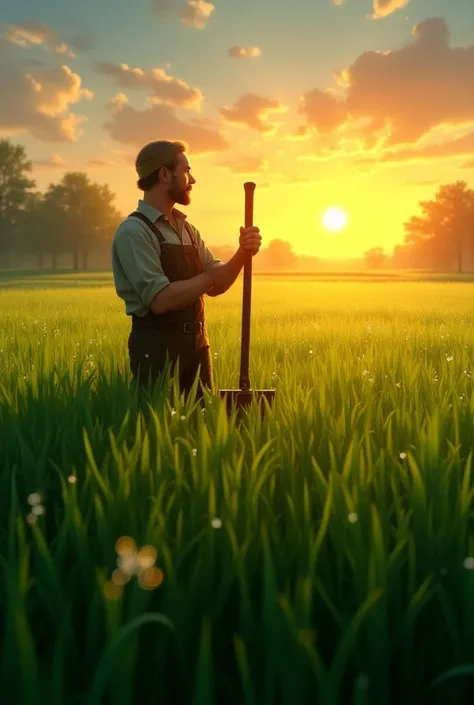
253	110
462	146
101	163
196	13
107	163
33	33
322	110
164	89
56	88
117	102
382	8
301	134
113	157
406	92
193	13
55	161
238	52
137	127
246	165
39	100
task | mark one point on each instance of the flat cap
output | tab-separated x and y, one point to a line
154	155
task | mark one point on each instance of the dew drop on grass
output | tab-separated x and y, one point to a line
112	591
34	498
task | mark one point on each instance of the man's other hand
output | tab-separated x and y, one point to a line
250	239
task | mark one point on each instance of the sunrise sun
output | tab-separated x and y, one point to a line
334	219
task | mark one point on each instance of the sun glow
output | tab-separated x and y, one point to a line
334	219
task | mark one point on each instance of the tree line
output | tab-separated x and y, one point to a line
440	238
76	217
71	217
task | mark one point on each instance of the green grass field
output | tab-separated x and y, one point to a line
171	555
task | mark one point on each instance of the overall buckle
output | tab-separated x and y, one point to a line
193	327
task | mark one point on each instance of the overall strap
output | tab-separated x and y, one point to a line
151	225
190	233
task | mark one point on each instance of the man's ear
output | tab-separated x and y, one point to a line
162	175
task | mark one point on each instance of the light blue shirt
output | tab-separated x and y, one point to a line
136	256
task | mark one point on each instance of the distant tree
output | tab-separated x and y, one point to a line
15	190
375	258
400	257
445	230
32	228
84	215
223	252
279	255
52	224
409	256
454	208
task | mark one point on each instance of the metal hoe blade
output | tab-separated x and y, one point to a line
241	398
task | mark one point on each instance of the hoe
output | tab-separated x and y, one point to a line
244	396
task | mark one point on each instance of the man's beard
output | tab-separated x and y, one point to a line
179	195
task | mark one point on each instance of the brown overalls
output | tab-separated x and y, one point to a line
181	333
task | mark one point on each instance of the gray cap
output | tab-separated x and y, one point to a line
154	155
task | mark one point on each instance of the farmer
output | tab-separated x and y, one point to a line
162	268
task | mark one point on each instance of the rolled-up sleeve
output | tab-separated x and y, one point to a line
141	264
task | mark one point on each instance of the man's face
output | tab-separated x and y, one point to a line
181	182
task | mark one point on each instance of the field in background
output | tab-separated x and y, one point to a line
326	554
20	278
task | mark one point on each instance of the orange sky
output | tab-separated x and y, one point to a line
362	104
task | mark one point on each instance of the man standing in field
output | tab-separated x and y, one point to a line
162	268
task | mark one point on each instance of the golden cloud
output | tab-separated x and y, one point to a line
253	111
402	94
33	33
238	52
117	102
462	146
196	13
137	127
108	162
446	147
322	110
55	161
193	13
39	100
382	8
300	134
56	88
163	88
